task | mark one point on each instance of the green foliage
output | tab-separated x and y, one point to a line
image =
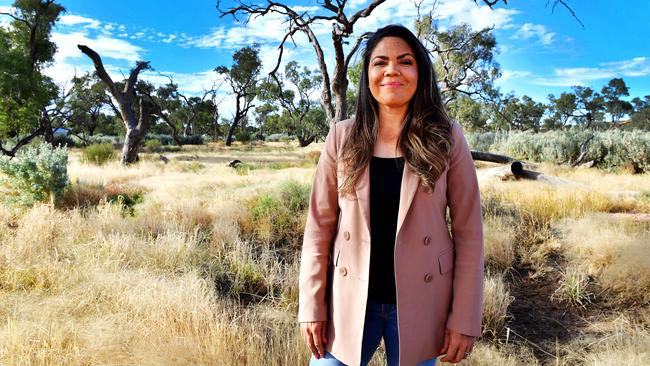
25	48
243	136
37	174
98	154
613	149
153	145
126	201
277	218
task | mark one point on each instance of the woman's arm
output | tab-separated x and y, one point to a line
322	219
467	230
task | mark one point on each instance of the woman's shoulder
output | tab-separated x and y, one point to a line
345	125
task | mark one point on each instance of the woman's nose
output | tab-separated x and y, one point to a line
391	70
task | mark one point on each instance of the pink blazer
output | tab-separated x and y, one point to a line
439	275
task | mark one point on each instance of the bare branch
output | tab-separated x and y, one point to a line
101	71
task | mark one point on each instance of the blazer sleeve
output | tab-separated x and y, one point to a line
320	229
467	231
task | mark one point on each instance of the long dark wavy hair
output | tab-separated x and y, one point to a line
425	139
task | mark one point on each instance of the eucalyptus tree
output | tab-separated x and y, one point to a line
562	110
134	110
464	59
641	116
616	107
293	92
243	77
88	101
26	94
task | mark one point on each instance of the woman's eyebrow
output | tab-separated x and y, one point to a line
400	56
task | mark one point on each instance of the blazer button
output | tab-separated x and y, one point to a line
427	240
428	277
346	235
343	271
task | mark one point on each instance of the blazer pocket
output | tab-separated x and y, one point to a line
446	261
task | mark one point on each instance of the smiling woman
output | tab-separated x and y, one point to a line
378	261
393	74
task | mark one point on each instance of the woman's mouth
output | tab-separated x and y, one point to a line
392	84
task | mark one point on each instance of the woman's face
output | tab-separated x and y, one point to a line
392	72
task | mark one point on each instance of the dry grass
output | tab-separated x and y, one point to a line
183	281
614	253
495	305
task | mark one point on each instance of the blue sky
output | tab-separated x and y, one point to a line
540	52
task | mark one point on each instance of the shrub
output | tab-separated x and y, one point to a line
276	137
278	218
614	149
98	139
191	140
98	154
37	174
243	137
63	140
153	145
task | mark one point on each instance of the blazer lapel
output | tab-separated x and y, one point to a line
409	186
362	189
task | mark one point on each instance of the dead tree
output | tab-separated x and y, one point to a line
136	123
300	21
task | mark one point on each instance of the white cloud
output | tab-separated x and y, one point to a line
77	19
539	31
513	74
635	67
170	38
107	47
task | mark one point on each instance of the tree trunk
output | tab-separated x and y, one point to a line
305	141
231	131
136	127
131	146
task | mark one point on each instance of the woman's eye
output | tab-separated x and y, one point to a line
378	63
407	62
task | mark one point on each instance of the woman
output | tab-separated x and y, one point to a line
378	260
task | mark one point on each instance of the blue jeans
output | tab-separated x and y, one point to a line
381	322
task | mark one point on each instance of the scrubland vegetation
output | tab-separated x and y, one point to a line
196	263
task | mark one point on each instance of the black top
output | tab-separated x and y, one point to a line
385	184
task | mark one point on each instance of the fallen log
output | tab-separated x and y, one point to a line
516	171
494	158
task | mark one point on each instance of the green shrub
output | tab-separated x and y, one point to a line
613	149
37	174
63	140
153	145
278	217
243	137
98	154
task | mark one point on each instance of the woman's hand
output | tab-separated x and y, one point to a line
456	346
315	335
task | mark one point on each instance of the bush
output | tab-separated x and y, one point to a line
37	174
243	137
98	154
98	139
63	140
153	145
276	137
278	218
614	149
191	140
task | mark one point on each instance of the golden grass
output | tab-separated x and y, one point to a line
495	305
615	254
499	242
179	283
